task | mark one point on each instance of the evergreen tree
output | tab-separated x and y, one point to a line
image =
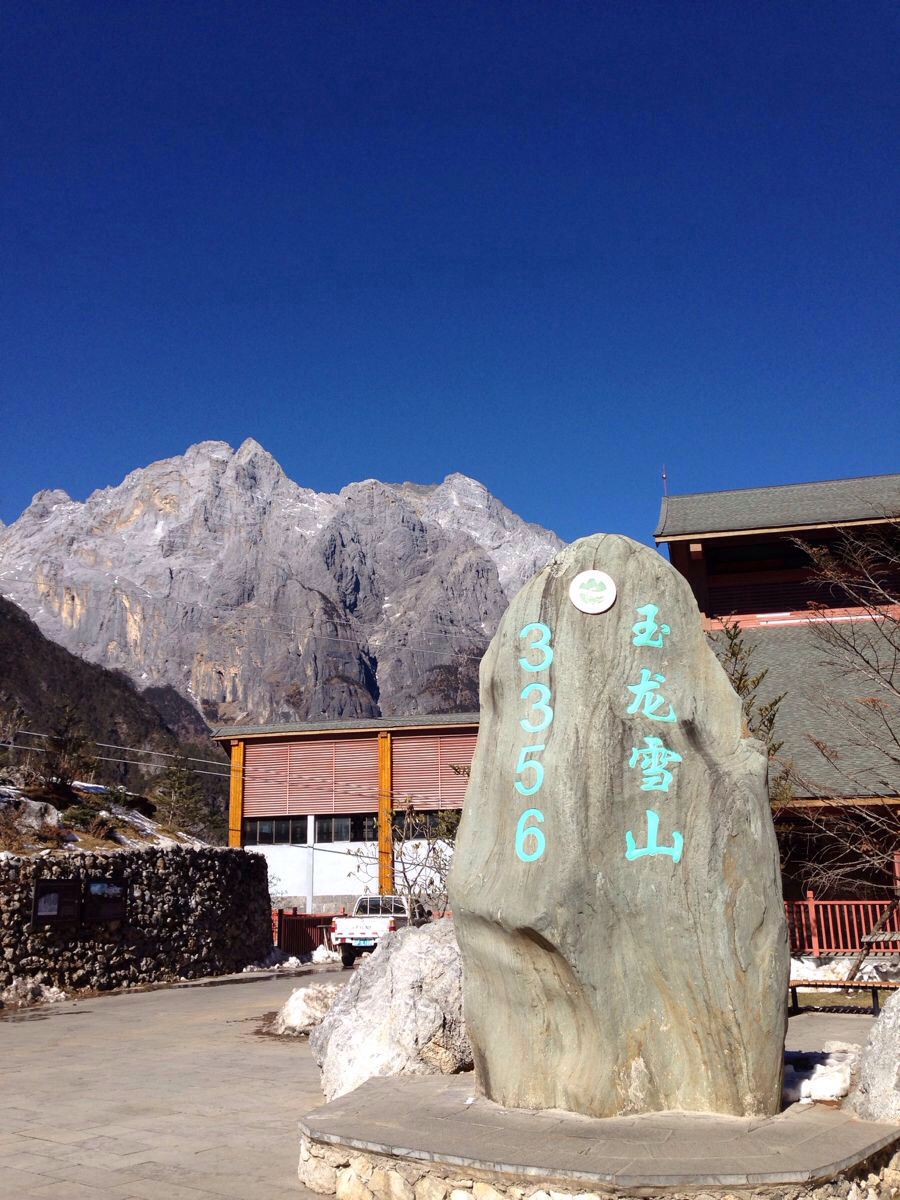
68	754
736	656
180	799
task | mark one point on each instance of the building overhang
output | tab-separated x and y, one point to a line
350	726
705	535
806	802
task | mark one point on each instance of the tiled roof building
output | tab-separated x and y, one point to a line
739	551
782	507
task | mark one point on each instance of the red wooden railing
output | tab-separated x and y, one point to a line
837	926
299	933
815	927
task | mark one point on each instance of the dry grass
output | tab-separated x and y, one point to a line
11	836
25	840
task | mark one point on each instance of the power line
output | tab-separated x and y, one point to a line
348	791
213	762
102	758
261	774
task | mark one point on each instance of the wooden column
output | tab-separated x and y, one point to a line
236	794
385	813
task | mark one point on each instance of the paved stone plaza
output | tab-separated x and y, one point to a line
162	1095
172	1095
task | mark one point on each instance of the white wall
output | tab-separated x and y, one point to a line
322	870
338	869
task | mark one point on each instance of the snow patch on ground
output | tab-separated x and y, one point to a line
305	1008
275	960
322	954
148	831
875	967
133	831
823	1076
24	992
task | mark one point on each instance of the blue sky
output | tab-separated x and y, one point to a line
552	245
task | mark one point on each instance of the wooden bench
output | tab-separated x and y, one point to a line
886	935
841	985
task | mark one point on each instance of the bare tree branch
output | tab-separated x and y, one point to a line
842	843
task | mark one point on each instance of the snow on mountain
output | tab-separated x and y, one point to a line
258	599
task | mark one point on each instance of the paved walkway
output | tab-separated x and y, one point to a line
810	1031
172	1095
162	1095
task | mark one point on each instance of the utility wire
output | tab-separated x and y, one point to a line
131	749
350	792
261	774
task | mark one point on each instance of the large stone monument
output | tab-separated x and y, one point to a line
615	886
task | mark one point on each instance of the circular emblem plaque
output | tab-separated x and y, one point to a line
592	592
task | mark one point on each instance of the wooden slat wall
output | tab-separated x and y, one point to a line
459	750
422	771
311	783
416	758
337	775
265	779
340	775
356	775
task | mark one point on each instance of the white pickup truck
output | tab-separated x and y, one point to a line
373	917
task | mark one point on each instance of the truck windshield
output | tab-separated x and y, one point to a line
379	906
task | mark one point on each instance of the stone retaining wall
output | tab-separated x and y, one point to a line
189	913
350	1175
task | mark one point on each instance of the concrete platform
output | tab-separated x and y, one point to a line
435	1119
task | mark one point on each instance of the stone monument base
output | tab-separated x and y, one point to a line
425	1137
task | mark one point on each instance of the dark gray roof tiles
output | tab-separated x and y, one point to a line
830	501
816	691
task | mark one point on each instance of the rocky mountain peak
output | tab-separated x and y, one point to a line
46	500
205	450
215	574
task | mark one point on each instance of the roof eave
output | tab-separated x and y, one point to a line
246	733
720	533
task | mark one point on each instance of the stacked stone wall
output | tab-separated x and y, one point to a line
188	913
333	1170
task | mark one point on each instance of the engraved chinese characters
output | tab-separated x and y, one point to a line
615	884
654	756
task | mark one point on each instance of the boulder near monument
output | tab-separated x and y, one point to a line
615	886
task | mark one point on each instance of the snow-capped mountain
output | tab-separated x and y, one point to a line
260	600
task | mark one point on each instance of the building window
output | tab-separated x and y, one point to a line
298	831
432	823
275	831
355	827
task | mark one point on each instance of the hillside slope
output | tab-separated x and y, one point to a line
45	680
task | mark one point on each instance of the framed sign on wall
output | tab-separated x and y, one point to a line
104	900
56	903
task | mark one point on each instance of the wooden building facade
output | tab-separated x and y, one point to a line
743	554
318	798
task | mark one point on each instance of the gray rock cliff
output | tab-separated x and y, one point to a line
215	574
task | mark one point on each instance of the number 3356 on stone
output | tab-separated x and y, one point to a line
530	840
